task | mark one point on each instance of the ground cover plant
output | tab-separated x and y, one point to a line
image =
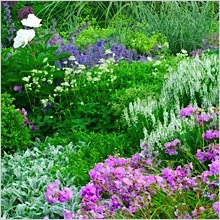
109	115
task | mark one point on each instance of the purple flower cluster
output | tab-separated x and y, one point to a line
10	3
209	154
211	134
171	147
26	120
55	195
126	185
56	39
24	12
179	179
91	55
216	208
208	42
201	118
9	22
18	88
187	111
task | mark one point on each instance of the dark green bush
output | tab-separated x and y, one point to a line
14	134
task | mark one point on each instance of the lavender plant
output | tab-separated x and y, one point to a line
9	22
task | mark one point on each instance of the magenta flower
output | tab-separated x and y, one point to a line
187	111
214	167
200	155
211	134
52	192
205	175
216	208
65	195
18	88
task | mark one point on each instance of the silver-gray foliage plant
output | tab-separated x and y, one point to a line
25	176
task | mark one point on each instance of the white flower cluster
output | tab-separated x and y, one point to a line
102	68
36	78
70	82
192	77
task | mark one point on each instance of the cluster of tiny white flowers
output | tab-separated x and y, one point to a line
102	68
36	78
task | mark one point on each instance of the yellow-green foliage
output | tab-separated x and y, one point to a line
91	35
142	43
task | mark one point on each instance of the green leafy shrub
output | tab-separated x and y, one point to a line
91	148
25	175
15	135
33	69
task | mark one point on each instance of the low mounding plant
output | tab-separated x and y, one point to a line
15	132
24	175
138	187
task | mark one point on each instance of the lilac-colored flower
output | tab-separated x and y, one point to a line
211	134
205	175
170	147
23	112
127	181
200	155
176	213
52	192
89	190
65	195
212	197
214	167
201	118
216	208
46	218
18	88
187	216
114	203
187	111
56	40
68	214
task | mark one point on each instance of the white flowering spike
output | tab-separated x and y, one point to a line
31	21
23	37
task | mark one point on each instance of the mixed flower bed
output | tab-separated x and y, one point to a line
108	122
